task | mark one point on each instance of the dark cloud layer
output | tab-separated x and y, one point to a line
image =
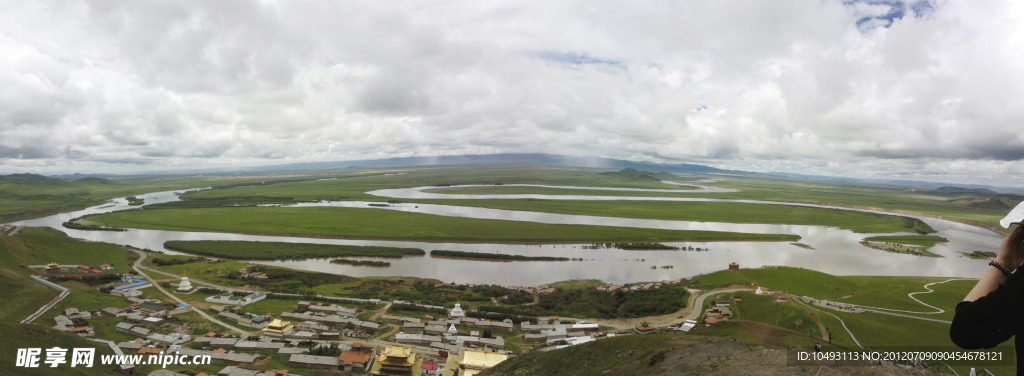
869	88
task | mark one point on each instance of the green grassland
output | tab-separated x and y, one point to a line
914	245
491	256
871	329
22	199
655	354
972	207
729	212
354	186
880	331
34	245
357	223
965	206
577	284
875	291
980	255
946	296
763	308
28	196
921	240
278	279
277	250
625	355
517	190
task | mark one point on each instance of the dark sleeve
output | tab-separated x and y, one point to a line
991	319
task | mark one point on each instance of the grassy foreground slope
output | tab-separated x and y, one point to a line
357	223
875	291
17	336
668	354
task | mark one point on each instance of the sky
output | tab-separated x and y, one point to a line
918	89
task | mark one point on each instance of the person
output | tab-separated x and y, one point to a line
991	312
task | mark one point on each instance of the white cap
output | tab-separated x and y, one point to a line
1016	216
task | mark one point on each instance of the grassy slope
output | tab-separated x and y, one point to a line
25	336
33	246
627	355
885	292
385	224
872	330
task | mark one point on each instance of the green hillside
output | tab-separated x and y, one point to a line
17	336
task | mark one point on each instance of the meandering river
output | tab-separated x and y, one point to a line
834	250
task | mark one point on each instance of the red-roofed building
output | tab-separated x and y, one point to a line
352	360
150	350
645	329
713	319
734	266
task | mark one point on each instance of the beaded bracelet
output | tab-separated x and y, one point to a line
1000	266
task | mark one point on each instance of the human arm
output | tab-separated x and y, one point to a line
992	312
1010	255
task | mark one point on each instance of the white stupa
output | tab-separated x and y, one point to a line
452	330
185	287
457	312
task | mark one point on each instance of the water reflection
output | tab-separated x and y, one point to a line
835	251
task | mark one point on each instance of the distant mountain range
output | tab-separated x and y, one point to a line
553	160
35	180
535	159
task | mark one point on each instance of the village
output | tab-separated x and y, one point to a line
347	334
336	335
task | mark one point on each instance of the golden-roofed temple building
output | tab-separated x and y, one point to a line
278	327
471	362
397	360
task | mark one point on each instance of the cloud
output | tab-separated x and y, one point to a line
856	88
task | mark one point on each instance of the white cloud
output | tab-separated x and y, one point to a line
857	88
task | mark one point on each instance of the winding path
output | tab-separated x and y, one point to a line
64	292
936	311
700	300
848	331
195	281
138	269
